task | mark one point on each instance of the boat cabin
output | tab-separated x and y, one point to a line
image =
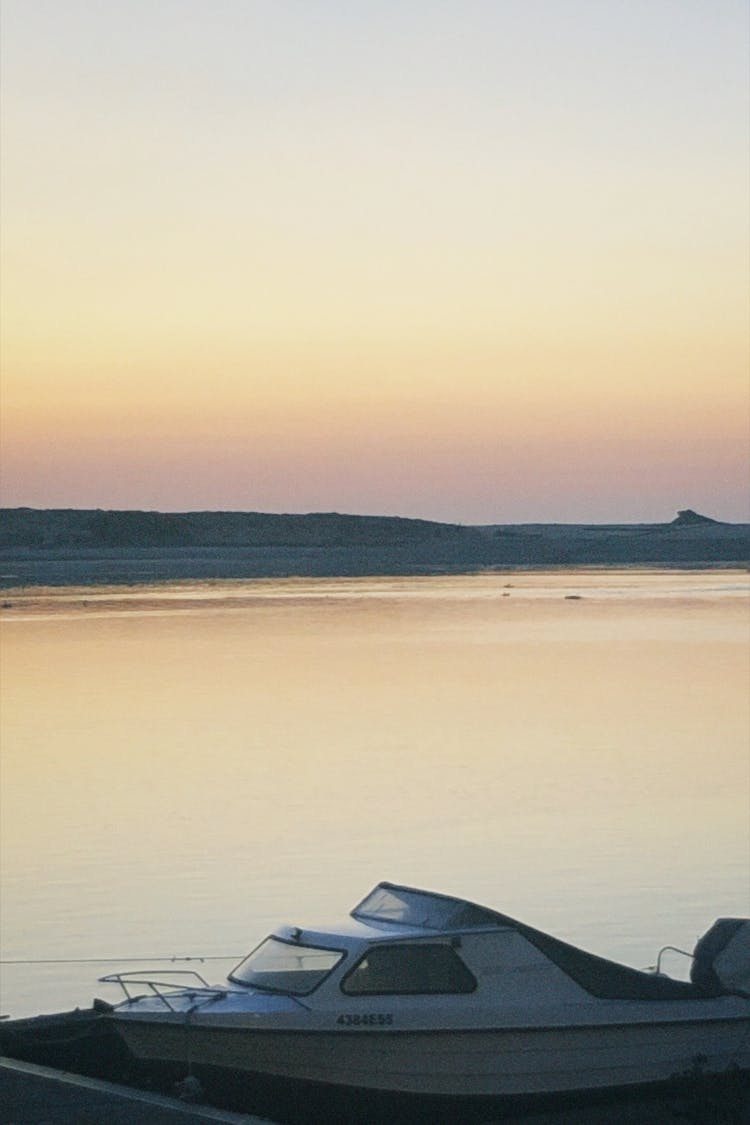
400	941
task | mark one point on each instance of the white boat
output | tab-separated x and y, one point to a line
420	999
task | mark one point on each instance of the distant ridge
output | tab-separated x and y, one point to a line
74	527
45	528
68	546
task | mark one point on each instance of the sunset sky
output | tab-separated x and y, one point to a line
471	260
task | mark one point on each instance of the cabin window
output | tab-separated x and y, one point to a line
409	969
285	966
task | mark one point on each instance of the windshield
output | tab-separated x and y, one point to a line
285	966
406	906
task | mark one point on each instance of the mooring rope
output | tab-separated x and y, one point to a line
111	960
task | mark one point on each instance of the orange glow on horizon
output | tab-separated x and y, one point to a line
281	291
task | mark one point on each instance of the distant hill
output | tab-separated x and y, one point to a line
76	546
73	527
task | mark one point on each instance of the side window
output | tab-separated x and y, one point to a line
409	969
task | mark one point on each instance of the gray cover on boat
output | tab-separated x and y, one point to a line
608	980
722	957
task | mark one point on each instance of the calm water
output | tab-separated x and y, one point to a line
185	766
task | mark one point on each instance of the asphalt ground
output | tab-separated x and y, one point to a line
38	1095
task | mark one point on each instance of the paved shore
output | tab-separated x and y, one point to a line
37	1095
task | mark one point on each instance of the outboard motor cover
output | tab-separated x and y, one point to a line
721	962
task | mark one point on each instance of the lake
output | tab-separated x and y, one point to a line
185	765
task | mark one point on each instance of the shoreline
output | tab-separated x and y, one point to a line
549	586
25	569
86	548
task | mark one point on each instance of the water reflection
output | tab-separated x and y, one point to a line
185	766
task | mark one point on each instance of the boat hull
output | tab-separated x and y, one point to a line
295	1102
465	1064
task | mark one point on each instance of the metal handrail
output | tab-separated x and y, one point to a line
672	949
133	976
210	992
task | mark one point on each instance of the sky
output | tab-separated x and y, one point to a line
483	261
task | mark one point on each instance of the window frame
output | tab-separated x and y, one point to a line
343	954
413	991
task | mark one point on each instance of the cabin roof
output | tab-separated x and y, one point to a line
389	903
